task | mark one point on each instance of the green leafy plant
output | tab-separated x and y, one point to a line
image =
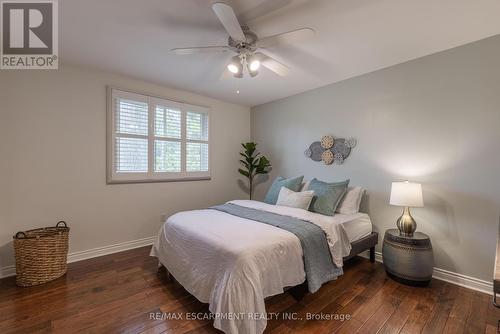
254	164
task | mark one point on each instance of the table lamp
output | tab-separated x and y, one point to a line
406	194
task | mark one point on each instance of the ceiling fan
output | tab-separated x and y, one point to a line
246	44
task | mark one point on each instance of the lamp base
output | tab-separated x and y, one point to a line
406	224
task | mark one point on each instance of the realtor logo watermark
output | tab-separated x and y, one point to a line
29	36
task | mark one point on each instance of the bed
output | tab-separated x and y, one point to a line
233	263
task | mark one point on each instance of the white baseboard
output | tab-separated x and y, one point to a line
7	271
463	280
452	277
100	251
91	253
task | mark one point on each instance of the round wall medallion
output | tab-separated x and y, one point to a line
316	151
340	148
351	142
327	142
327	157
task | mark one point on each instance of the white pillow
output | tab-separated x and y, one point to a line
351	201
305	185
294	199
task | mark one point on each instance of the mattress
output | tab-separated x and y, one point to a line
356	226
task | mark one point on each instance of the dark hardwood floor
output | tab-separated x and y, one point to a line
117	294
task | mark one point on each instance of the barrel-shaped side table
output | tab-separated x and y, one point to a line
408	260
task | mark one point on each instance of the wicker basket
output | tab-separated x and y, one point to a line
41	254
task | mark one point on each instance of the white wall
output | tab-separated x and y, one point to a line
435	120
53	160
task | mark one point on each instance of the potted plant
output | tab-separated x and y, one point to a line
253	164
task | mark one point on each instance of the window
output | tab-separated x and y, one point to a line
152	139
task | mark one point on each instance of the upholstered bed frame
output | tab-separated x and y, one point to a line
298	292
367	243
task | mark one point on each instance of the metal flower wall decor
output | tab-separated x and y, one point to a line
330	150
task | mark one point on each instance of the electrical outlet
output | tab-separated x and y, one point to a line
163	218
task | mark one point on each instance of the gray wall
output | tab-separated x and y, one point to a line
434	120
53	160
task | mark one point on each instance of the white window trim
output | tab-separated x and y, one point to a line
151	176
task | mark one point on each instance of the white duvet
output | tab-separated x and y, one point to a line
234	263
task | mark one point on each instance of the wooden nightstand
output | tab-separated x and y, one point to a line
408	260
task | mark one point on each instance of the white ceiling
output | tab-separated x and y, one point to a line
353	37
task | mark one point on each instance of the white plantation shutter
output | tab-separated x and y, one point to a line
168	135
167	156
152	139
196	140
131	155
196	157
131	117
167	122
197	125
131	129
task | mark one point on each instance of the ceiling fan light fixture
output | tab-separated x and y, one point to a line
254	65
232	68
235	66
252	73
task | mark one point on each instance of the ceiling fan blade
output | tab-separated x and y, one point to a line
273	64
229	20
201	49
286	37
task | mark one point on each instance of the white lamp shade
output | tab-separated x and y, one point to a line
406	194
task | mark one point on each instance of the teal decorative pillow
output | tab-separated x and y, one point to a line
327	196
293	183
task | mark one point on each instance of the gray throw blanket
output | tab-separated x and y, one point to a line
318	263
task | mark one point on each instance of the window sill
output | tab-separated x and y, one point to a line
180	179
